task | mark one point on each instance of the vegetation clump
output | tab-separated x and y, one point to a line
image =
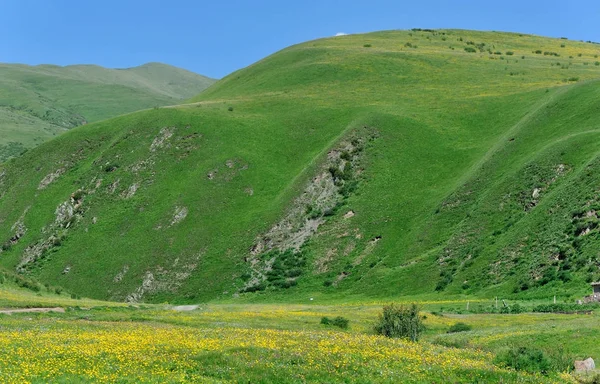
400	321
459	327
534	360
338	321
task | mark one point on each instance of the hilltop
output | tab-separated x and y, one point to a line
393	163
42	101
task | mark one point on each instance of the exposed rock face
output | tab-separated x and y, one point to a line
162	139
584	365
334	181
51	177
180	214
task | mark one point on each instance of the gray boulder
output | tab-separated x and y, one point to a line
584	365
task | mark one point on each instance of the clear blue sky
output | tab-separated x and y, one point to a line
215	38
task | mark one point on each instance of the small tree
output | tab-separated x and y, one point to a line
399	321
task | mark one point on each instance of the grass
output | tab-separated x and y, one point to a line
40	102
106	342
265	343
444	204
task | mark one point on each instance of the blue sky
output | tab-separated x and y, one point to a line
215	38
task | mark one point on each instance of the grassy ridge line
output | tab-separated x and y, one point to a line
40	102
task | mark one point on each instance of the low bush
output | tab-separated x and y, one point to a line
399	321
470	49
338	321
459	327
524	359
535	360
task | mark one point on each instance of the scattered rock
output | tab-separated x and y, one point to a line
112	188
180	214
536	193
349	215
121	274
66	270
161	140
51	177
584	365
130	191
249	191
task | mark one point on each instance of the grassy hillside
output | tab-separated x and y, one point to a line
394	163
39	102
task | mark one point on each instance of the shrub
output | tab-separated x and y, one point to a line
470	49
338	321
399	321
536	360
516	308
230	109
367	45
524	359
510	53
459	327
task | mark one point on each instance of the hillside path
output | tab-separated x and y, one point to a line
26	310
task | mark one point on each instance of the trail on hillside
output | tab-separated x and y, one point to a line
32	310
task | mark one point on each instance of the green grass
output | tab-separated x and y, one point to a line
279	343
443	206
39	102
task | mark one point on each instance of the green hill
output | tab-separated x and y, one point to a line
40	102
365	166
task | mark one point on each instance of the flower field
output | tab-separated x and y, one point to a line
50	348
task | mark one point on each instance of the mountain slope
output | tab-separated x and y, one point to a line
401	162
39	102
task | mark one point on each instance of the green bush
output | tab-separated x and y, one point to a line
399	321
524	359
459	327
338	321
535	360
470	49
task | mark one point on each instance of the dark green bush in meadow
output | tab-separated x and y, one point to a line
459	327
338	321
535	360
400	321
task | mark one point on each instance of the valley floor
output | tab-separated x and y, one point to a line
274	343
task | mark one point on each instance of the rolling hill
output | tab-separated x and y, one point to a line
419	162
40	102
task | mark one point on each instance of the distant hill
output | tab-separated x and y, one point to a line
39	102
418	162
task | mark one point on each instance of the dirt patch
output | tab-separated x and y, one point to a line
31	310
185	308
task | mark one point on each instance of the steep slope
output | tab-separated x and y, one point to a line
39	102
402	162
